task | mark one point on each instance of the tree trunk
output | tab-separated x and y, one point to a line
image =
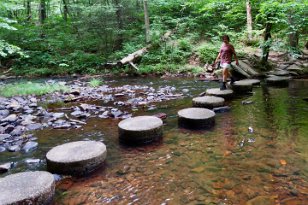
65	9
249	20
146	21
119	40
28	10
266	46
42	11
293	39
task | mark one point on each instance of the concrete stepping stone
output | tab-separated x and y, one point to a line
196	118
27	188
76	158
252	81
208	102
228	93
278	81
140	130
241	86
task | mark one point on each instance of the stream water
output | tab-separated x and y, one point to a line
256	153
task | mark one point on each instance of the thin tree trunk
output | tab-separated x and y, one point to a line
65	9
28	10
266	46
146	21
42	11
119	40
249	20
293	39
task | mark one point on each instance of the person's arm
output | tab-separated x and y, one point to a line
235	57
217	58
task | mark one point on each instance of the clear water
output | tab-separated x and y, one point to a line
228	164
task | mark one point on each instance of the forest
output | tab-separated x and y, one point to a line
61	37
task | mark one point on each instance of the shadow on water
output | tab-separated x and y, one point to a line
255	152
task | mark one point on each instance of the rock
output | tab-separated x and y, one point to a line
5	167
35	126
32	161
161	115
208	102
221	109
220	93
58	115
281	73
8	129
80	114
278	81
10	118
4	113
18	131
36	188
4	136
262	200
251	81
33	105
76	158
29	146
14	105
185	90
247	102
116	113
241	86
196	118
297	69
13	148
2	130
2	149
140	130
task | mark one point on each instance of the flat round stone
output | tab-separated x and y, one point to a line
27	188
208	101
241	86
196	118
140	129
278	81
76	158
251	81
220	93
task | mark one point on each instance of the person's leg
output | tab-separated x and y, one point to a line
224	78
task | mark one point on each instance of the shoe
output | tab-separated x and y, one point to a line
223	86
232	80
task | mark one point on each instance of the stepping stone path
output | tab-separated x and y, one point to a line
34	188
220	93
76	158
278	81
140	130
196	118
208	102
241	86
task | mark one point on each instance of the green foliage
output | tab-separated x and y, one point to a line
30	88
95	82
208	51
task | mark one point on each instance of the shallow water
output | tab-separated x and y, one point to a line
225	165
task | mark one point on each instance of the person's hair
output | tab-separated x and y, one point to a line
225	36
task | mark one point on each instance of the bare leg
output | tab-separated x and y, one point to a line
225	74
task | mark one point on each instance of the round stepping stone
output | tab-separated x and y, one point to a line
252	81
278	81
281	73
208	102
220	93
196	118
27	188
76	158
241	86
140	130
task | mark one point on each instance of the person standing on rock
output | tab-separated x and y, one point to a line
225	56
